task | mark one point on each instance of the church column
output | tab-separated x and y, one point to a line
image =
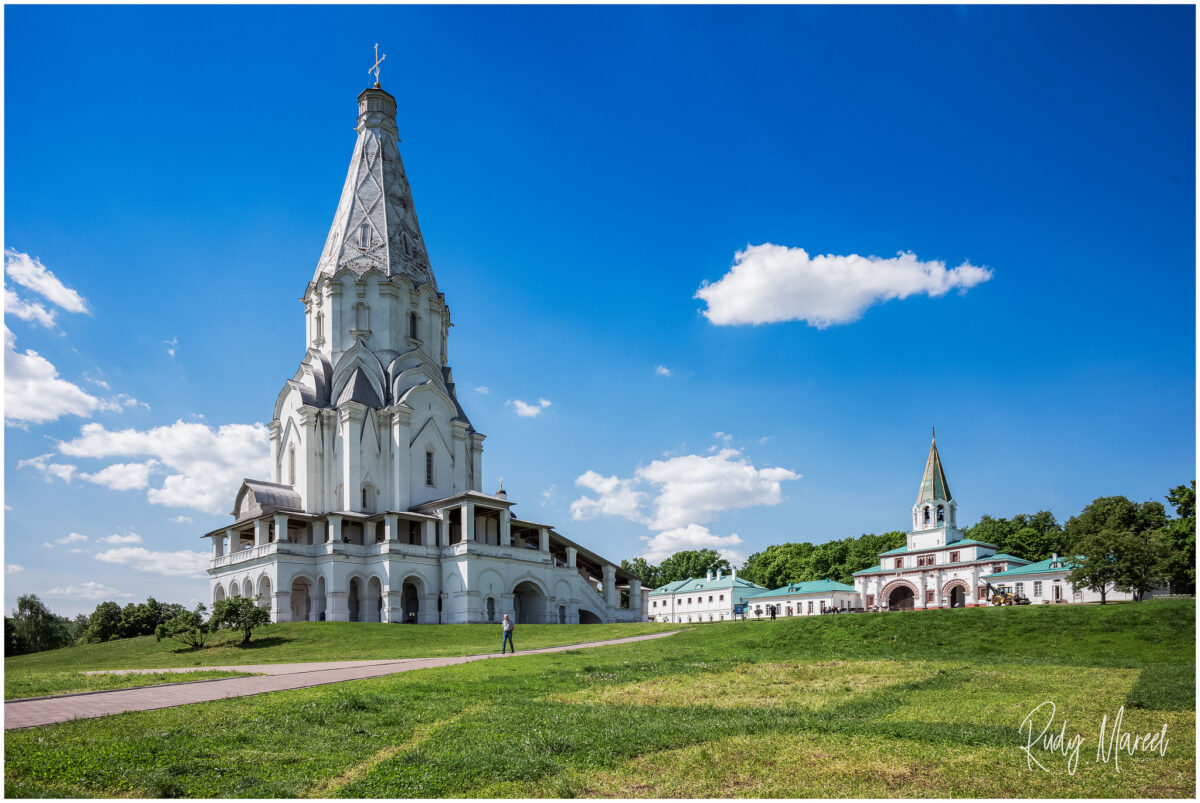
318	532
429	530
544	539
231	540
333	290
444	535
572	553
391	528
260	531
218	545
273	428
350	416
393	609
608	574
281	606
467	520
337	609
308	474
281	527
505	527
335	529
369	532
635	598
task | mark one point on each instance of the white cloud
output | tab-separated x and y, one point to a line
616	497
72	538
204	464
30	273
33	391
172	345
770	283
27	310
119	402
484	389
662	370
184	563
526	410
663	545
690	489
89	590
182	520
13	568
131	538
122	476
50	471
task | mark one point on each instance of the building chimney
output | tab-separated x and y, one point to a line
1053	560
733	574
709	575
718	574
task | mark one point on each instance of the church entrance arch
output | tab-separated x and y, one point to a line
900	595
301	599
410	600
263	598
586	617
373	607
529	604
218	594
354	599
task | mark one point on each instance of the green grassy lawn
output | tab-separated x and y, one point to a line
41	684
925	704
292	642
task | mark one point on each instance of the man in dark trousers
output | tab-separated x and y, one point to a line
507	625
772	613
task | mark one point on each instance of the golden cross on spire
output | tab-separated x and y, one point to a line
934	433
375	67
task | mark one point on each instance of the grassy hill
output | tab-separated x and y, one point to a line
57	671
874	705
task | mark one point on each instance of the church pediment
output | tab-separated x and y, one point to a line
258	498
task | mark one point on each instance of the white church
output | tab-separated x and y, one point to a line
374	510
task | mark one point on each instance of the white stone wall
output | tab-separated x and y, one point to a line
800	604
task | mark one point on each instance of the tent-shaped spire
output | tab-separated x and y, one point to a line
375	225
934	487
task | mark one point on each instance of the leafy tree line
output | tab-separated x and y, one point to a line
33	627
1120	544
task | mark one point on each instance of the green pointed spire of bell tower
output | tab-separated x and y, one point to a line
934	487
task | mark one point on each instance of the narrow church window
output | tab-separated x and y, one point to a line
491	609
412	325
926	515
941	515
362	316
291	465
364	235
954	557
429	468
319	334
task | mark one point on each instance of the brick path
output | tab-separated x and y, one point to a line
276	677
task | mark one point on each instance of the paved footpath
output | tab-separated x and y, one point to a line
274	677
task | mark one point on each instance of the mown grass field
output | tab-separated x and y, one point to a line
58	671
925	704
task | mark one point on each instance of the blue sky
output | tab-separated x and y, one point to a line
579	174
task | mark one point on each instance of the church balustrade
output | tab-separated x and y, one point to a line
507	552
243	555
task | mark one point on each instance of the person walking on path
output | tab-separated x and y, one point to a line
508	629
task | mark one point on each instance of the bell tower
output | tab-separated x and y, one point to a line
935	513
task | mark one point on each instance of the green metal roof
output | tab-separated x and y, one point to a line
986	559
703	584
810	587
933	484
964	542
1041	567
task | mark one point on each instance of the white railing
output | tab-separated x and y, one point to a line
242	555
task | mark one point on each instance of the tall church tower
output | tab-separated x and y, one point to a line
371	421
935	512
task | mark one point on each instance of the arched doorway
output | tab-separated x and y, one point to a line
218	594
529	604
901	599
263	598
586	617
373	607
958	597
320	606
354	599
410	602
301	599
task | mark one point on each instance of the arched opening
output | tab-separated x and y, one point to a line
368	498
941	514
529	604
247	589
410	602
301	600
353	599
926	515
901	599
292	465
264	592
373	607
958	597
362	317
320	606
218	594
491	609
412	325
562	614
586	617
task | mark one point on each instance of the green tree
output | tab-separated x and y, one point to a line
139	619
1096	562
1118	544
186	627
645	571
778	565
691	563
239	613
992	531
34	628
1141	561
1179	535
78	627
104	623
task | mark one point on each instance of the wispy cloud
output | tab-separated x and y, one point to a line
182	563
131	538
122	476
484	389
694	536
30	273
526	410
89	590
770	283
49	471
662	370
181	520
13	568
172	345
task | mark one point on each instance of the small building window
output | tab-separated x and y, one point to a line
929	597
429	467
1020	589
412	325
1037	588
810	606
941	514
899	563
870	600
954	557
364	235
491	609
926	515
292	465
721	598
982	592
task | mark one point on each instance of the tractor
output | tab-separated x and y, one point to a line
1004	595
